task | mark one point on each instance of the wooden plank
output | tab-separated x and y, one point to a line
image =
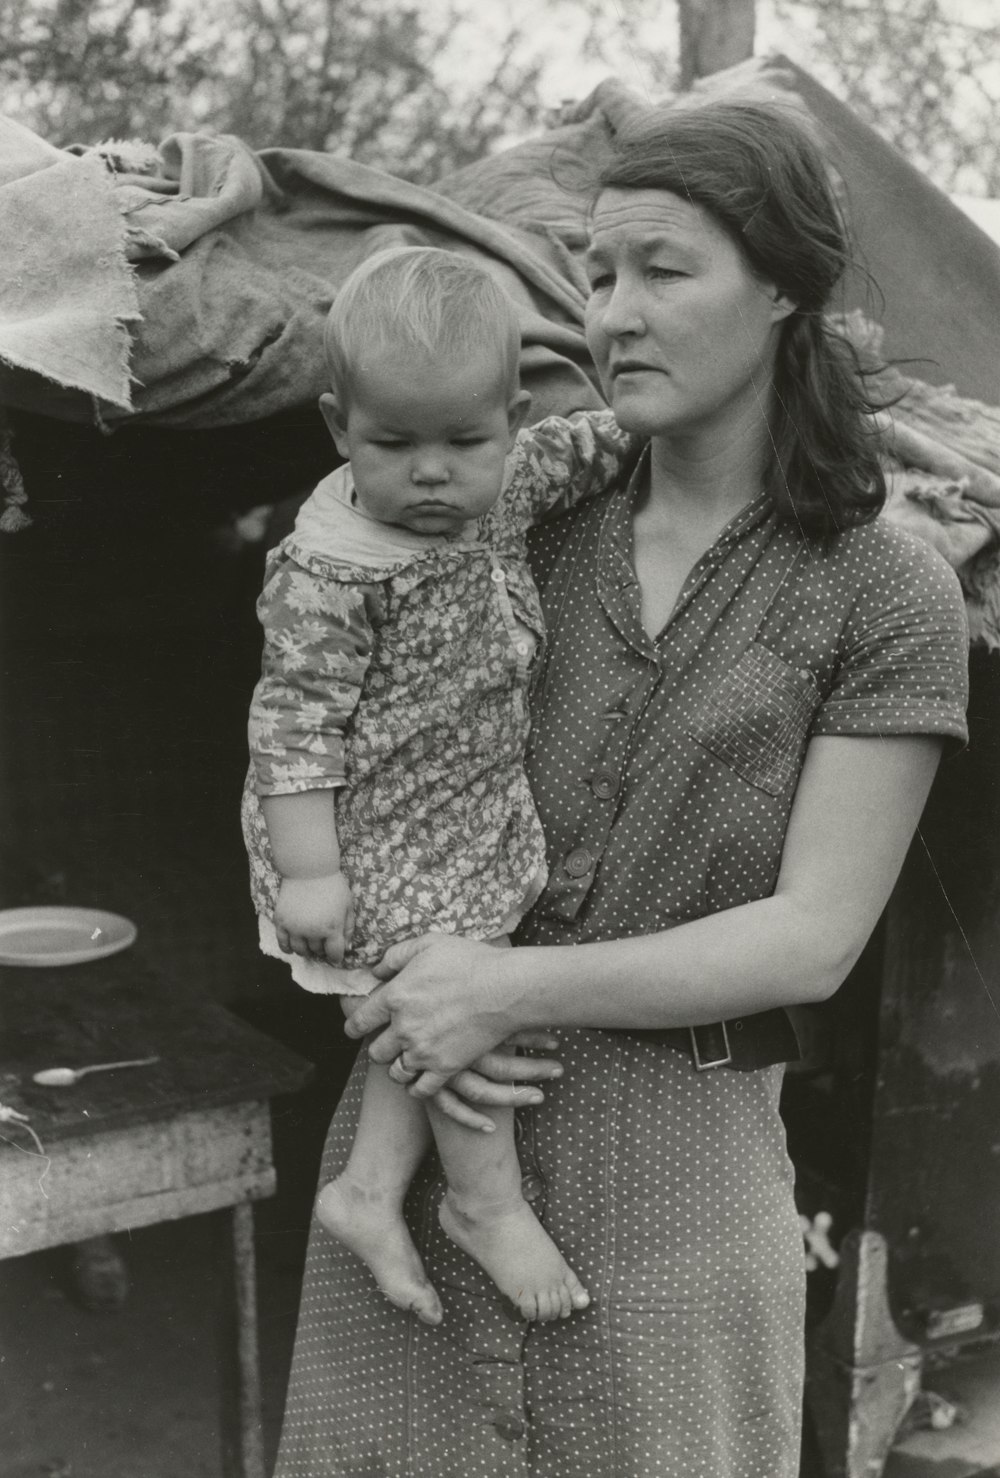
147	1211
133	1177
242	1425
115	1009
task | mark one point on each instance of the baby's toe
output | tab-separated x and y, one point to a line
427	1306
527	1304
578	1296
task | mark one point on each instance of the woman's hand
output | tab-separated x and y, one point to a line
498	1080
446	1003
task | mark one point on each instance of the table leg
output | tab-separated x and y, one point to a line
100	1277
242	1434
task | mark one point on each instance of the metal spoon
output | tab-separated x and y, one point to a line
65	1077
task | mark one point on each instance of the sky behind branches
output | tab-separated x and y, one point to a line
560	29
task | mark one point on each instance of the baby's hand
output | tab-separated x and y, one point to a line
315	917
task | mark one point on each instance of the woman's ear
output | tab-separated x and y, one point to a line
336	422
517	410
781	305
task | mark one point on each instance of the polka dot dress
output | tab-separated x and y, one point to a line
664	773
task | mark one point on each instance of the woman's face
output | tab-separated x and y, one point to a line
682	333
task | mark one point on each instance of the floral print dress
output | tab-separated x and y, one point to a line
395	671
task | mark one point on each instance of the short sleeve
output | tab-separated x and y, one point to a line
904	660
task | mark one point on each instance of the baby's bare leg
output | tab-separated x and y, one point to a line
485	1213
363	1207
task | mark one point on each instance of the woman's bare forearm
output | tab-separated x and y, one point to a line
447	1001
858	803
734	963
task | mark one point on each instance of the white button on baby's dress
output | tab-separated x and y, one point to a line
497	575
522	647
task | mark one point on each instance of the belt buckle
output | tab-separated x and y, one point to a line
703	1065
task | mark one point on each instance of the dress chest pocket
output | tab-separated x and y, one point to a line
756	719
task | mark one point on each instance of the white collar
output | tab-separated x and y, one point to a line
332	523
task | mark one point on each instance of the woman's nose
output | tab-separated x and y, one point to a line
622	314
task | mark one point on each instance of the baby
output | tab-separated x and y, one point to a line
386	795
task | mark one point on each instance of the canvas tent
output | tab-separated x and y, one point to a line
186	285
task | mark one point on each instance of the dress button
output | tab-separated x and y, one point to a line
532	1188
509	1425
522	648
497	575
604	784
578	862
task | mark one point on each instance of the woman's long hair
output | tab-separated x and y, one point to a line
756	170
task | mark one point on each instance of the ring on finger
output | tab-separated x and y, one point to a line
409	1074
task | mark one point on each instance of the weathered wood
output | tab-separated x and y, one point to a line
191	1134
242	1434
98	1274
117	1008
862	1373
912	1107
714	34
122	1178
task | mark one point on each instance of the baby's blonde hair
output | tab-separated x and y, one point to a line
420	297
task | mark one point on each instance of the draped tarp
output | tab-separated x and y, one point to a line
67	295
187	285
236	258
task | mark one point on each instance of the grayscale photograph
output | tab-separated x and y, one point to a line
499	739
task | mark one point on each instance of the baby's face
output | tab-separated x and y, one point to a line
426	440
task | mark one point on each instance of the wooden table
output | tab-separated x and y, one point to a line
190	1133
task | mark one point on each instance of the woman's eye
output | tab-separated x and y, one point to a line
468	440
665	274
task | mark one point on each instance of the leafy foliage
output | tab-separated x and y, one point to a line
361	77
422	87
925	73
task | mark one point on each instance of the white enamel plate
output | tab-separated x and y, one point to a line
59	935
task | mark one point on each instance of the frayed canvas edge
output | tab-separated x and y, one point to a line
129	313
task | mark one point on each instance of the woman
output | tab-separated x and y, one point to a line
747	690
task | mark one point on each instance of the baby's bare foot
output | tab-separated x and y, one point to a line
513	1247
374	1230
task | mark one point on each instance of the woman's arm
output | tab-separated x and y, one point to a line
855	811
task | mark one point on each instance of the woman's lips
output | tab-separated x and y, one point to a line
633	367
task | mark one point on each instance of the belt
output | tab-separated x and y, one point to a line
744	1043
